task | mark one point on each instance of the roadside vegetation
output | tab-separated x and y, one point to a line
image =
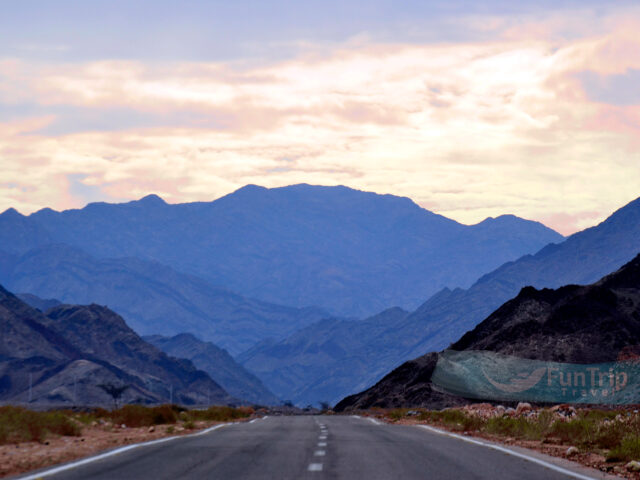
614	434
18	424
21	425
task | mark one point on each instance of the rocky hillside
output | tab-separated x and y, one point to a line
68	352
354	253
154	299
297	368
220	366
573	324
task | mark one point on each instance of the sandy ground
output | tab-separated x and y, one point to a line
23	457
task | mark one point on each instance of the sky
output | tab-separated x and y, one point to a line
471	109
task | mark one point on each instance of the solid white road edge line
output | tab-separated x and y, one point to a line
374	421
117	451
509	452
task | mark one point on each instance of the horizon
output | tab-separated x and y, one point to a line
472	110
506	214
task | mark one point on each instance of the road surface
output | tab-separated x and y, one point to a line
315	447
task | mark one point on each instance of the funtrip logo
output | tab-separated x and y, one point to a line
492	376
570	381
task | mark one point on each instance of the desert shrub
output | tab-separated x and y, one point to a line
597	415
141	416
132	416
580	431
532	428
18	424
454	419
100	412
189	425
610	435
220	414
84	418
397	413
164	414
517	427
628	449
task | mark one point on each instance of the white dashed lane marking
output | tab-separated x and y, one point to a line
319	453
315	467
322	444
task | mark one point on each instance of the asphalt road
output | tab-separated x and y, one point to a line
314	447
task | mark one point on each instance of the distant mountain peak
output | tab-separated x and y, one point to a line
151	199
11	213
349	251
501	218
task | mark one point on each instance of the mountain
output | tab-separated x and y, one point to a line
573	324
38	303
220	366
67	353
351	252
154	299
375	347
319	362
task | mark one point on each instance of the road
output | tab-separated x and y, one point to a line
314	447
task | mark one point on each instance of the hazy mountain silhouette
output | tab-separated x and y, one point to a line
36	302
376	346
153	298
218	364
574	324
69	351
349	251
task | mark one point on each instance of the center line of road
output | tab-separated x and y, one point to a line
319	453
322	444
315	467
322	437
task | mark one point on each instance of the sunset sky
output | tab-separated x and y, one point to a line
472	109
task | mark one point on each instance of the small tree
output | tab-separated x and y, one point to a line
324	406
115	391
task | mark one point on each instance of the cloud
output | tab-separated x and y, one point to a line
615	89
508	125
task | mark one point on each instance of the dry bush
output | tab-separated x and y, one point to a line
18	424
220	414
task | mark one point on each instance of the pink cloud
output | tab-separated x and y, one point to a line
566	223
506	124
